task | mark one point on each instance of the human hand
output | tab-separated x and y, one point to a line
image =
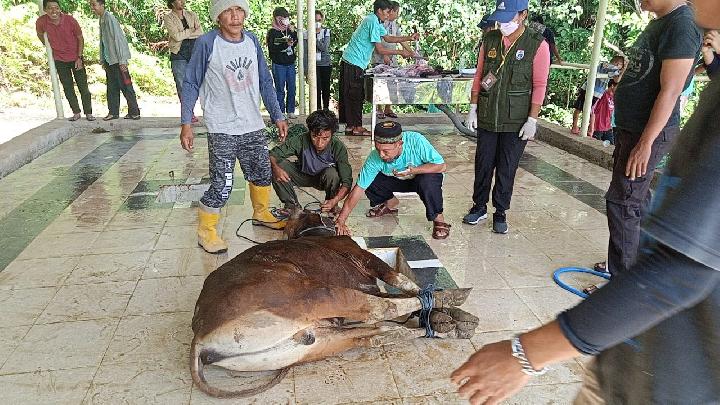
414	36
638	161
341	228
407	53
186	137
387	60
123	68
328	205
471	118
282	127
528	130
404	173
79	64
712	39
490	375
280	174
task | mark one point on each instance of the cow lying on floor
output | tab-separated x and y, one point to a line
287	302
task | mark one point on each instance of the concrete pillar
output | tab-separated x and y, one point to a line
53	72
594	61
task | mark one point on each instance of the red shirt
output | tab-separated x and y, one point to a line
62	37
603	111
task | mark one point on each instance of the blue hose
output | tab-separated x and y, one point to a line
556	277
563	270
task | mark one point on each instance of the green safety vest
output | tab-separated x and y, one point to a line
506	106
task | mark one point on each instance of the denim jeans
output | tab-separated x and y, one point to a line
284	75
178	71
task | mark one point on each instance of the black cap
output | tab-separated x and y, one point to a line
388	132
280	12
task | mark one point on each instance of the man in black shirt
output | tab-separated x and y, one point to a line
647	115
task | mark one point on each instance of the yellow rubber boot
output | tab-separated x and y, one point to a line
208	238
260	198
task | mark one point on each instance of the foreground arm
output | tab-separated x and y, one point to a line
662	283
350	203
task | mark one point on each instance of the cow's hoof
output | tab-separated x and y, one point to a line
441	322
453	323
451	298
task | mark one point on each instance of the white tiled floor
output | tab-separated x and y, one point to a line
97	308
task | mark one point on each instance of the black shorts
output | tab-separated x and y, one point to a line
580	101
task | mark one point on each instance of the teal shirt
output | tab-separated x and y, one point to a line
362	43
416	151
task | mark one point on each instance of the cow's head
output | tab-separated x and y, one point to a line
308	223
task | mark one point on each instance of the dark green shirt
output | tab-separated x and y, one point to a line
309	161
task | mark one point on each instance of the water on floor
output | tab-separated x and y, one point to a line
100	270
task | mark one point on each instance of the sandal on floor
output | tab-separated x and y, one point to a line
348	131
111	117
391	115
380	210
74	118
600	267
361	132
441	230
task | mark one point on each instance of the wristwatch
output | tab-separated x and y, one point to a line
519	353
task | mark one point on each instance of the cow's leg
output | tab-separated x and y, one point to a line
358	306
333	341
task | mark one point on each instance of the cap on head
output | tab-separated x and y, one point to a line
281	12
505	10
388	132
486	22
218	6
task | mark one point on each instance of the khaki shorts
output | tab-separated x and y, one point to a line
590	392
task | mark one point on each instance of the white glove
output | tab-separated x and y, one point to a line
528	129
471	118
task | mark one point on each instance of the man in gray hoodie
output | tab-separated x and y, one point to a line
114	54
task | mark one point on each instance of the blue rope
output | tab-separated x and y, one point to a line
427	300
556	277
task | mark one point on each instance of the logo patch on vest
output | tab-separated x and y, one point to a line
492	53
519	54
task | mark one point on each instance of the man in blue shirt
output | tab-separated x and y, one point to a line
355	59
401	162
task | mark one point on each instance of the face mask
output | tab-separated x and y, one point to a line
285	21
318	24
509	27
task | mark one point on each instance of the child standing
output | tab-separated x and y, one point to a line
603	112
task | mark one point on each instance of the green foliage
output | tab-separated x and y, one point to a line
23	61
449	37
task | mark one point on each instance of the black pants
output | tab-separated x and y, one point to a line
66	71
628	200
352	94
328	180
499	152
324	78
119	81
428	187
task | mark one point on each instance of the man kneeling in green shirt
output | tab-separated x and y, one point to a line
322	163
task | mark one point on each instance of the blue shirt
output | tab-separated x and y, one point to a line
416	151
362	43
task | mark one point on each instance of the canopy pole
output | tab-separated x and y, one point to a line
312	51
594	62
301	51
53	72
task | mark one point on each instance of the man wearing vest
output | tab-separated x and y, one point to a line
508	90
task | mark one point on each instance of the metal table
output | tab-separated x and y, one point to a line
410	90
